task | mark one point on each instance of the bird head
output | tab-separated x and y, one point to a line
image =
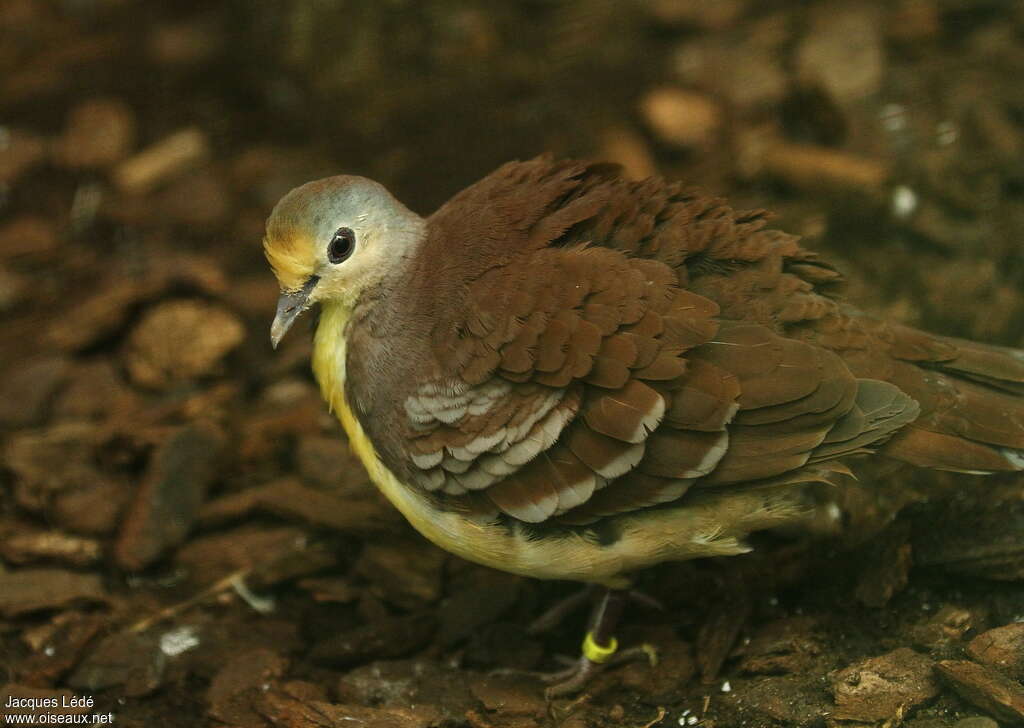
329	240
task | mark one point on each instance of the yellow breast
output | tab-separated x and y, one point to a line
644	538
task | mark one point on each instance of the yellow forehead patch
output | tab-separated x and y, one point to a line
292	257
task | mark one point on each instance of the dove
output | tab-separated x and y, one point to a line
565	374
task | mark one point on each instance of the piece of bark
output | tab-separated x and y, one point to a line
236	690
985	688
28	236
169	157
92	510
287	497
31	545
287	712
439	691
50	462
129	661
719	632
1002	647
843	51
681	118
404	572
170	496
883	688
887	567
99	132
786	699
781	647
28	387
29	590
382	639
807	166
946	626
181	340
20	151
57	646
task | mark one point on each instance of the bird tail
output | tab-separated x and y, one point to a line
971	397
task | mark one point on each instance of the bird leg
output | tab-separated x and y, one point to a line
600	648
590	593
561	609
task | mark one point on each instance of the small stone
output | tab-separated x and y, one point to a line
843	52
681	118
29	590
985	688
131	662
181	340
99	132
880	688
170	496
1002	647
28	387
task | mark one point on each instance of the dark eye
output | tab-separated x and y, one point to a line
343	242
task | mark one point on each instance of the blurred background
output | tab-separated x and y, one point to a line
183	533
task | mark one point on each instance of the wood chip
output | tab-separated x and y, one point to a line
29	590
165	159
171	494
982	686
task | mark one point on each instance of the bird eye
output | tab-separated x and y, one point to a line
342	244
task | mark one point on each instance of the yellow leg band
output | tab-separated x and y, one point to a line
595	652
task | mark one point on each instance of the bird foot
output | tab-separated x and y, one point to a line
581	671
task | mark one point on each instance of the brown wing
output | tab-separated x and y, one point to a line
584	383
971	394
572	374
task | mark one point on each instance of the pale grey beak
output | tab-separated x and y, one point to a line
289	307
